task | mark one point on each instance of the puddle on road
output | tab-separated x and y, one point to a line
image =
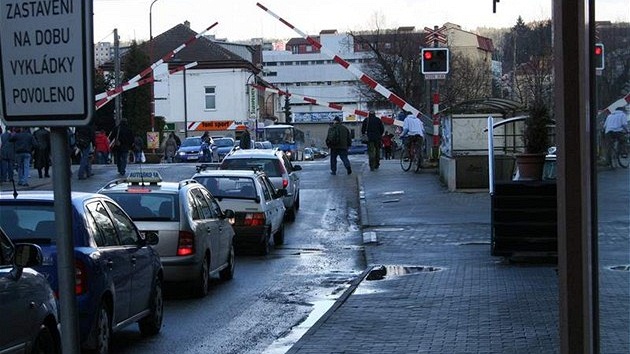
622	268
389	271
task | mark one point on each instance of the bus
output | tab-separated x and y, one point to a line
286	138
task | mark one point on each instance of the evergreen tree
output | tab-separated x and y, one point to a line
137	102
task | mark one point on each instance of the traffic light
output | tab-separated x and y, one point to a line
435	60
599	56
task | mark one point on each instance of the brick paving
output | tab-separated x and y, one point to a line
457	298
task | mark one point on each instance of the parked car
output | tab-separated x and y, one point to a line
319	153
277	166
357	148
263	145
257	204
118	273
189	150
30	322
196	237
308	154
221	147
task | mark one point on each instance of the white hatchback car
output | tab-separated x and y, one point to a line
257	204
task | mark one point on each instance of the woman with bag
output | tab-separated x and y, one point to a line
373	127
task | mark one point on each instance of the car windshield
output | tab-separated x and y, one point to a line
224	142
148	206
29	222
229	187
192	142
270	166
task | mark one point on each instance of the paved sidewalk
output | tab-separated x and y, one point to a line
442	291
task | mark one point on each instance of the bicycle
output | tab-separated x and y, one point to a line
412	154
619	151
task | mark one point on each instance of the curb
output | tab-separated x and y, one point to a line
342	299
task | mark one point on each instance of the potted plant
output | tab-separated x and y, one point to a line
536	140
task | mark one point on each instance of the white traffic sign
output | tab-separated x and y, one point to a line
434	76
46	57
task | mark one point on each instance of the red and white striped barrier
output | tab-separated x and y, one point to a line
146	71
624	101
334	106
144	81
352	68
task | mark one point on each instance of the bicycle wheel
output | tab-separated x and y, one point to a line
622	156
405	159
418	160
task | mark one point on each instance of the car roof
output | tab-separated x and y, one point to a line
228	173
246	153
46	195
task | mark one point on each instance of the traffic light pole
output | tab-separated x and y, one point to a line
436	107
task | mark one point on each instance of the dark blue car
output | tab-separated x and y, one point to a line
118	274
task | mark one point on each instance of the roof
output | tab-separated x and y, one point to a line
207	53
483	105
228	173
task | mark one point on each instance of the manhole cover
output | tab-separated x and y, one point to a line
623	268
389	271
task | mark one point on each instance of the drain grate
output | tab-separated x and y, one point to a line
623	268
388	271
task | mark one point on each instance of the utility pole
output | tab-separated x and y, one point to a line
117	99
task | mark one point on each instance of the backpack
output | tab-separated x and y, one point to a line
334	137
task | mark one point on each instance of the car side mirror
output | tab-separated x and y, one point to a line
297	168
228	213
25	255
281	193
150	238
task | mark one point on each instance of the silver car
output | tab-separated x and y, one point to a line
276	165
27	303
196	235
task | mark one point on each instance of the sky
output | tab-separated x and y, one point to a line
243	20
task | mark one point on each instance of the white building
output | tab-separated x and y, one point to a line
103	53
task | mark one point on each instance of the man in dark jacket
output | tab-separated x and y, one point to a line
42	153
123	139
338	140
24	144
7	156
373	127
84	137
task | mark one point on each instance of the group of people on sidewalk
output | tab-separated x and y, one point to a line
338	139
18	147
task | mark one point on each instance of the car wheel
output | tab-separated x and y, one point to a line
297	203
264	247
201	284
227	273
278	237
152	324
103	331
45	343
290	213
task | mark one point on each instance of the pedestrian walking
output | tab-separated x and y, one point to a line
387	145
246	140
7	156
42	152
373	127
84	140
121	144
137	146
338	140
101	147
24	146
170	147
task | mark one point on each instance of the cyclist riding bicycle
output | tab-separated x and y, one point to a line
615	126
413	130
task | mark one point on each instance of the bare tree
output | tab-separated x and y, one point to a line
468	79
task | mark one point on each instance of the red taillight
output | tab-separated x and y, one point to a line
285	183
186	243
80	278
254	219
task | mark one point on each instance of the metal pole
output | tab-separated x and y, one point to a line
185	107
490	154
117	100
65	242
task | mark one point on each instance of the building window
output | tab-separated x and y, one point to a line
210	98
309	48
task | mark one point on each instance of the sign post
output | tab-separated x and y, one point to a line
46	69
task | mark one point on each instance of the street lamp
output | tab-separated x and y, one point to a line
150	20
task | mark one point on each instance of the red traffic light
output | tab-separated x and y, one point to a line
428	55
598	50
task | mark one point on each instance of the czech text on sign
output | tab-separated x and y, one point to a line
46	57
